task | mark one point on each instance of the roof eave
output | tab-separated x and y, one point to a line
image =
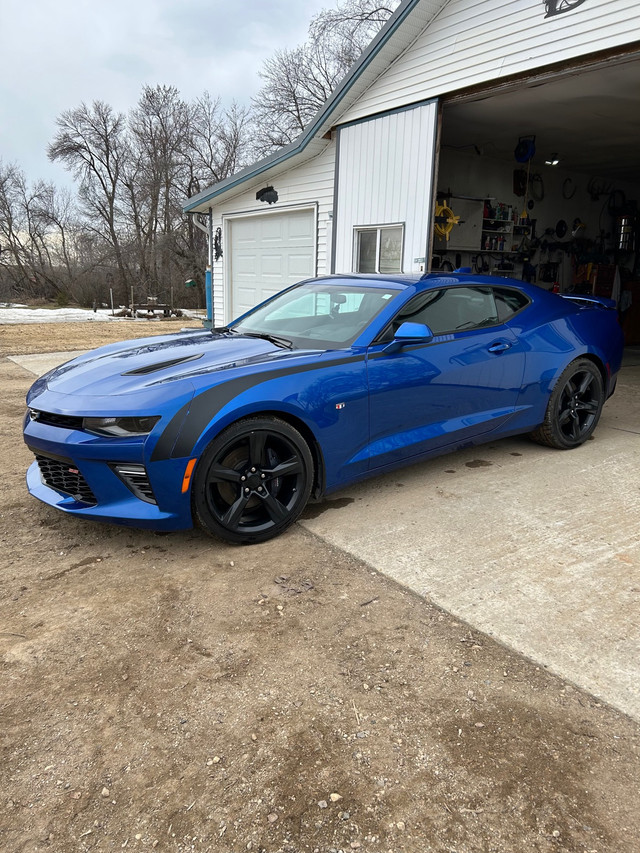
322	123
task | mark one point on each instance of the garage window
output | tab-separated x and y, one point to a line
379	250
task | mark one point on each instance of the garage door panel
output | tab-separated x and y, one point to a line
300	265
301	229
246	264
247	295
268	292
244	231
268	253
272	265
272	229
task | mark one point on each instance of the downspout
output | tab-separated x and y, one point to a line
205	223
208	279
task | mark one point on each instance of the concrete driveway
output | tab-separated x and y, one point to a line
536	547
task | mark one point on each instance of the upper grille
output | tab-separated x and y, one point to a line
65	421
62	475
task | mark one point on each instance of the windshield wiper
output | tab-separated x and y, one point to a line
274	339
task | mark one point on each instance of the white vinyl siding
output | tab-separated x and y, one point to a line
477	41
308	184
385	177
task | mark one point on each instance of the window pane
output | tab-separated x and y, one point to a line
508	302
319	313
367	242
451	309
479	308
391	250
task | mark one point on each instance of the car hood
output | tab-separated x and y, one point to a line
140	365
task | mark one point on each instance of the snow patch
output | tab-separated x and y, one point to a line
12	314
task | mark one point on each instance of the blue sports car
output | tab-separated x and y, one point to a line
332	380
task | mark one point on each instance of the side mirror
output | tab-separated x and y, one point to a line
409	333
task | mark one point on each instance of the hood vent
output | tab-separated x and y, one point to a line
161	365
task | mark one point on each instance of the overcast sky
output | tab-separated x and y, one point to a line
55	54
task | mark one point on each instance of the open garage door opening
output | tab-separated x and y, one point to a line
544	176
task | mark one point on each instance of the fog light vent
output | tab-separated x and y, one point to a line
136	480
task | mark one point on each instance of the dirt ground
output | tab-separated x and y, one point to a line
173	693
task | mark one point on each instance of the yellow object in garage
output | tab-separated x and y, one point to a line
445	220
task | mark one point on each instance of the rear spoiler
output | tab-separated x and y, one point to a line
591	301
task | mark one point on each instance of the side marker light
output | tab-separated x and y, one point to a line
191	464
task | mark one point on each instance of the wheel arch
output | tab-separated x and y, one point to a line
599	363
307	433
552	431
298	423
589	356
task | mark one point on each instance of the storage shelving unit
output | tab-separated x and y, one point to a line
501	235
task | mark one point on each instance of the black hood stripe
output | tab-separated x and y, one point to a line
186	426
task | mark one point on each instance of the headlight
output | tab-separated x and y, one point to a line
122	427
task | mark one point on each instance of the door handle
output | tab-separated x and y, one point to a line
499	346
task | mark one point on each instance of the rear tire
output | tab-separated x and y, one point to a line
253	481
574	407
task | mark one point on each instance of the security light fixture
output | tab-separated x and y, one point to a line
552	161
267	194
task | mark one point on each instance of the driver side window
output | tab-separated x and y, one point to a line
448	310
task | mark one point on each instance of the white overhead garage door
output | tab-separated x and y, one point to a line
269	252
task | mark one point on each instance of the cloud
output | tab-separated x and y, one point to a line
53	56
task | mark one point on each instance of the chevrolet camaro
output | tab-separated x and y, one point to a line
332	380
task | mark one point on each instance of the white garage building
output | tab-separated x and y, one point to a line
434	111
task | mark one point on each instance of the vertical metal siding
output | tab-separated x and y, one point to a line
385	177
476	41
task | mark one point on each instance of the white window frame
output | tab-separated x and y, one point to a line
379	229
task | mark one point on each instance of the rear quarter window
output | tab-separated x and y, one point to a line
509	302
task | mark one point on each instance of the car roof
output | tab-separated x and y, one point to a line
430	280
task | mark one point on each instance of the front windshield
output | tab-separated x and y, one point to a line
327	315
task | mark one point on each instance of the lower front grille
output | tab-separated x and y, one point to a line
62	475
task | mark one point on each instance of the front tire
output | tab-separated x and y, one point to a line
574	407
253	481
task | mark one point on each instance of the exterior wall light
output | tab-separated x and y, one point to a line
552	161
267	194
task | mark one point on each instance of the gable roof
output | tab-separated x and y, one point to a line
400	31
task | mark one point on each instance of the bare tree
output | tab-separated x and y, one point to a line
218	142
91	142
219	145
38	226
125	227
299	81
352	24
135	172
159	129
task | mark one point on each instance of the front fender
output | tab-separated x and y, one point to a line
330	400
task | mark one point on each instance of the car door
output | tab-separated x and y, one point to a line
461	384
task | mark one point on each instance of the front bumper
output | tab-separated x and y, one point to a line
84	482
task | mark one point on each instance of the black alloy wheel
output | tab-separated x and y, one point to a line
574	407
253	481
